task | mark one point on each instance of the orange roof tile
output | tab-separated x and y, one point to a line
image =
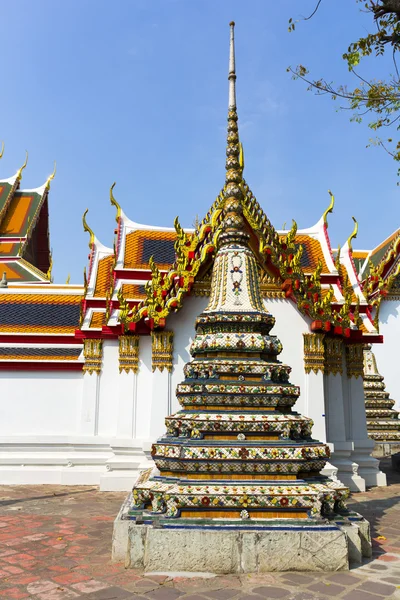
39	313
98	320
11	274
16	216
142	244
131	291
103	276
312	253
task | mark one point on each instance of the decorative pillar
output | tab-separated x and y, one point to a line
368	467
335	411
314	382
122	468
162	347
162	350
128	368
93	354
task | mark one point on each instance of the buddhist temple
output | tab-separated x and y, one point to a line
383	422
92	367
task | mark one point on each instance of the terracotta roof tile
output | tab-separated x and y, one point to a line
42	353
142	244
312	253
39	313
98	320
20	213
133	292
103	276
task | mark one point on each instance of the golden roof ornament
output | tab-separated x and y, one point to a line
353	234
329	209
51	177
19	173
88	229
2	150
114	202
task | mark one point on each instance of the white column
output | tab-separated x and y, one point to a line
88	424
313	390
128	457
162	356
335	414
368	467
93	353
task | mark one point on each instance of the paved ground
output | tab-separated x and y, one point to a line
55	545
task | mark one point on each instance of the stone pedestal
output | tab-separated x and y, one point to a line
236	547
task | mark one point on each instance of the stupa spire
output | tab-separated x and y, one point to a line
232	224
232	68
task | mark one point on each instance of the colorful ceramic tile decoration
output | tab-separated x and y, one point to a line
383	423
236	450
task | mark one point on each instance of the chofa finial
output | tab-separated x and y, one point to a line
19	174
114	202
51	177
329	209
353	234
88	229
2	150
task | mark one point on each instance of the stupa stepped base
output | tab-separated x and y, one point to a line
153	543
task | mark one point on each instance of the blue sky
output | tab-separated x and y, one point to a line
136	91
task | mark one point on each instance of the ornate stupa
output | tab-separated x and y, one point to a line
236	450
383	422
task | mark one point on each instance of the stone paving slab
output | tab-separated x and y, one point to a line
55	544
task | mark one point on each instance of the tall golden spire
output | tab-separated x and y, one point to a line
233	221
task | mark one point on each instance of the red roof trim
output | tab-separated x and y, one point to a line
40	366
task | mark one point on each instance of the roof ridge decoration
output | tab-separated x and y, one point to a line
353	234
19	172
329	209
114	202
380	279
2	150
50	177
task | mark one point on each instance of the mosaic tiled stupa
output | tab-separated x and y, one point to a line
383	422
236	450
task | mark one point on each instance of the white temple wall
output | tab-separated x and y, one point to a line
289	327
144	387
182	324
39	403
108	390
76	428
387	354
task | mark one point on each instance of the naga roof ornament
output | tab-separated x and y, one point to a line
87	229
19	173
329	209
51	177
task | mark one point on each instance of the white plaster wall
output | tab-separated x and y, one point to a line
39	403
289	327
387	354
108	390
182	324
144	389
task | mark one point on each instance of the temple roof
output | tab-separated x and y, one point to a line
24	234
38	324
